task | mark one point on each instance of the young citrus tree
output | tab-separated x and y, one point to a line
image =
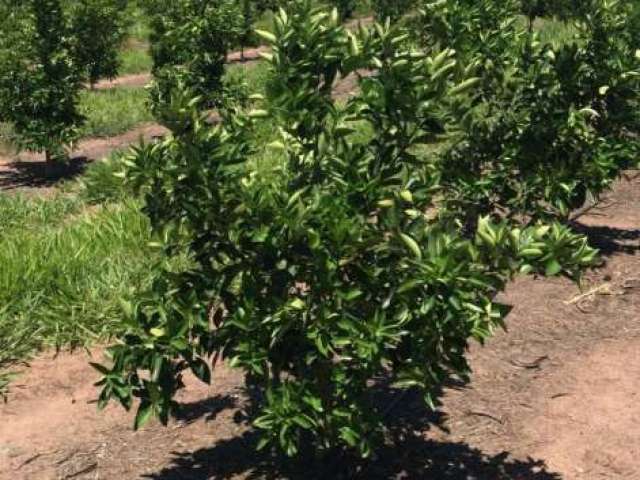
98	29
545	129
190	40
332	271
39	80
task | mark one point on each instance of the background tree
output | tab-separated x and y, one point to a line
39	80
250	12
99	28
190	40
392	9
345	8
545	132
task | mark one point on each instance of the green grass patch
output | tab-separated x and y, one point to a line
100	184
21	215
65	269
135	59
113	111
554	31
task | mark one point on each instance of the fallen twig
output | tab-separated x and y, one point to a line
486	415
86	469
532	365
593	291
34	458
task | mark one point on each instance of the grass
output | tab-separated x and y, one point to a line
65	268
554	31
255	75
134	55
135	59
6	147
113	111
99	184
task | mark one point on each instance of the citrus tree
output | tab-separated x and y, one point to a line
190	40
546	127
334	270
99	28
39	78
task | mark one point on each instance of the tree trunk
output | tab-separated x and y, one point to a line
50	164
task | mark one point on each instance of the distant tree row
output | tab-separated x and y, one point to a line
48	50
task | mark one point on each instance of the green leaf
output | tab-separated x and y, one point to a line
350	436
552	267
412	245
100	368
144	414
268	36
157	332
201	370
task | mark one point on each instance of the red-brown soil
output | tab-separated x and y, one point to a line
554	397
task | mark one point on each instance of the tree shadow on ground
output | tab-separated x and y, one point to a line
208	408
611	240
407	454
39	174
412	458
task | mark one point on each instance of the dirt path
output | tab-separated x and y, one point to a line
554	398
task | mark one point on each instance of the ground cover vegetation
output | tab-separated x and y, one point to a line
330	248
369	249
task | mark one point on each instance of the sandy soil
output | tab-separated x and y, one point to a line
26	172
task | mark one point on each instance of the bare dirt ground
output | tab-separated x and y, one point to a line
556	397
